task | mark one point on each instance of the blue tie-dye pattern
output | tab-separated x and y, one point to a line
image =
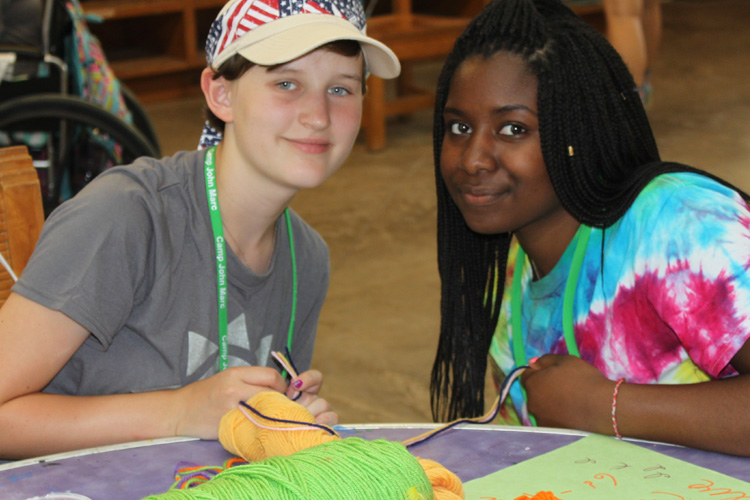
682	229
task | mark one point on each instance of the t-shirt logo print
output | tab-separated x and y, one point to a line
203	355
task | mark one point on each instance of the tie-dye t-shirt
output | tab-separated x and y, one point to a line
672	304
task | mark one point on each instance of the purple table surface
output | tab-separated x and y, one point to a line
134	470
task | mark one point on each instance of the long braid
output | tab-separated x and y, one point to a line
599	151
468	264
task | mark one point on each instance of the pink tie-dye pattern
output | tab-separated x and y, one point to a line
649	328
745	221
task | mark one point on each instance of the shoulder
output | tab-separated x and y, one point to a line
149	175
306	239
687	201
677	193
129	204
682	220
134	190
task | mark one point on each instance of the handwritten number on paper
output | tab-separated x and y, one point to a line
656	474
601	476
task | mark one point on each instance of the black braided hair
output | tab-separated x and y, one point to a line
599	151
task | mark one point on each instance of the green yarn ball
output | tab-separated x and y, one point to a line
347	469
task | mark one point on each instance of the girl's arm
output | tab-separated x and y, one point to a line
565	391
36	342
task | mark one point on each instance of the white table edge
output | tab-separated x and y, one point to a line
343	427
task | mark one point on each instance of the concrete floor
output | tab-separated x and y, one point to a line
378	330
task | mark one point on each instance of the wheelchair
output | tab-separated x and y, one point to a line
71	137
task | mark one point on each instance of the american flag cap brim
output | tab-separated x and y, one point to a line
288	38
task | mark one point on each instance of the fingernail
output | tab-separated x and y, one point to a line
533	360
297	384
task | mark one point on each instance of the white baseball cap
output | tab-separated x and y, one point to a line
270	32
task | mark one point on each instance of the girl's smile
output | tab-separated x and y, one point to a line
480	196
311	145
296	123
491	159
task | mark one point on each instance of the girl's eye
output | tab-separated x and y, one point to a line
459	128
286	85
512	129
339	91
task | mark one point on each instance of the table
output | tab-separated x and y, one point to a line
134	470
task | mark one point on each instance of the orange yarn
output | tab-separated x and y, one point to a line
445	484
542	495
240	436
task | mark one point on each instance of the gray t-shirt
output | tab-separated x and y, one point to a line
132	259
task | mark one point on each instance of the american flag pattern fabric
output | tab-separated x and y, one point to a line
242	16
209	137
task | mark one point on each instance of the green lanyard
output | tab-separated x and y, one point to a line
221	262
519	352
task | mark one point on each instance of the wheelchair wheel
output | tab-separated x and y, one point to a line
141	121
77	129
46	109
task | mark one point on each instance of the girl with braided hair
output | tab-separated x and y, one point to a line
566	244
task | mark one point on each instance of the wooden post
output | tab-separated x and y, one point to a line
21	212
375	114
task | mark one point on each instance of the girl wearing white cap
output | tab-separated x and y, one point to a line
154	298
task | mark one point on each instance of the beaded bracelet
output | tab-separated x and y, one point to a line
614	408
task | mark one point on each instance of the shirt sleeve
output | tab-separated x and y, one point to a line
698	257
90	260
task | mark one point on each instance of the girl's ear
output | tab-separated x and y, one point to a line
218	98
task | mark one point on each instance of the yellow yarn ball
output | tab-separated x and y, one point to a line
240	436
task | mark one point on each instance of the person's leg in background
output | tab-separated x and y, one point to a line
652	28
634	30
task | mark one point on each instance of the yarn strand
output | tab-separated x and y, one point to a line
486	418
285	361
304	426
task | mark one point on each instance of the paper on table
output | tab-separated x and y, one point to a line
600	467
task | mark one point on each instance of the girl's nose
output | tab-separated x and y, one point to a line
479	154
315	112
